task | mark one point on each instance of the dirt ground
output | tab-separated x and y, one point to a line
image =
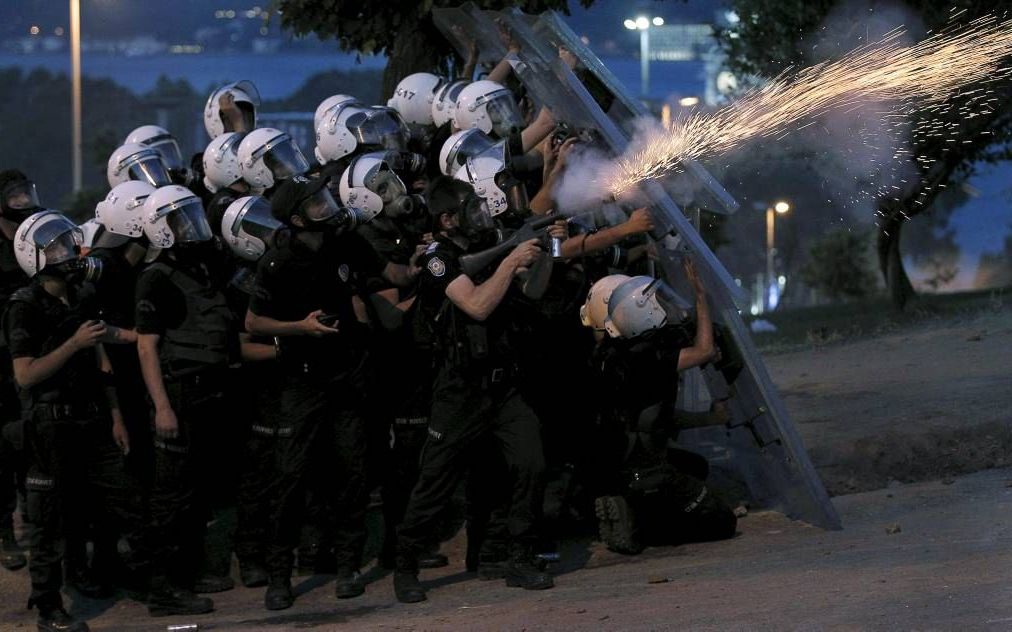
924	556
926	402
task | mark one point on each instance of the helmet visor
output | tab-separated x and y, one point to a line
256	221
504	113
167	146
150	168
381	127
385	183
473	144
285	159
319	207
59	239
187	221
20	196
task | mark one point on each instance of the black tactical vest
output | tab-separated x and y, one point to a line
202	340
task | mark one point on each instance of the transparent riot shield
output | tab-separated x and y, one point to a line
759	446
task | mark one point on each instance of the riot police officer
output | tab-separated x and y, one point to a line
73	432
18	200
186	339
306	296
657	494
474	394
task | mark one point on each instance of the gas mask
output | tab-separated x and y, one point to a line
79	270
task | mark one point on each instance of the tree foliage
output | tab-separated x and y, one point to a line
773	35
839	265
403	30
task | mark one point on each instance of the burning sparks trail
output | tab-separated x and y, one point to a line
926	75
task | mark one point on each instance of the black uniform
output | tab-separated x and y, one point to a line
76	475
475	396
321	419
260	410
181	302
11	466
638	385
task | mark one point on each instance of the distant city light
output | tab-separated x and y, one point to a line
782	207
263	30
642	23
782	280
585	40
732	17
34	30
186	49
58	31
688	102
658	21
629	24
230	14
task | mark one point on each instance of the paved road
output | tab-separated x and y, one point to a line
949	567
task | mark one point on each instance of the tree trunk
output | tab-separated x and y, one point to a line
411	53
890	261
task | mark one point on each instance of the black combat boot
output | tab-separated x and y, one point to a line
252	573
348	584
492	565
524	571
12	556
279	594
56	619
166	600
85	582
616	525
407	588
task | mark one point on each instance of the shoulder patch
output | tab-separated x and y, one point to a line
437	267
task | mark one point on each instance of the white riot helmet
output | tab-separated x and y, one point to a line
633	308
328	104
487	172
247	227
159	139
594	311
46	238
460	146
137	162
351	127
122	210
490	107
90	230
371	185
174	215
444	103
414	96
267	155
221	161
247	98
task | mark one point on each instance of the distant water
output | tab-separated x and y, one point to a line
276	76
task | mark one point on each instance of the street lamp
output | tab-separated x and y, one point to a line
75	74
779	208
642	24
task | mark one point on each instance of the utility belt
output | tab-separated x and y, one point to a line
196	385
489	375
53	411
